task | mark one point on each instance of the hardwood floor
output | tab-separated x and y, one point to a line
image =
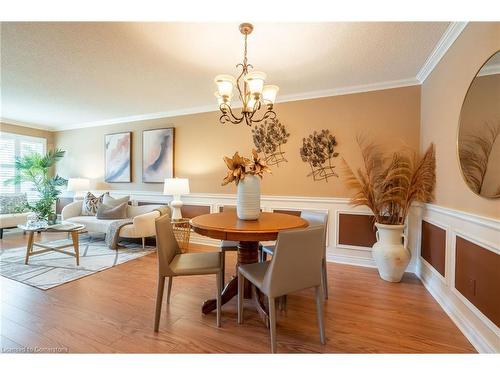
113	311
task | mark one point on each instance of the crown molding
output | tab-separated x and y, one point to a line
141	117
213	108
450	35
349	90
8	121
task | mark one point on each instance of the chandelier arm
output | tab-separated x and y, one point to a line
225	108
255	108
226	118
269	114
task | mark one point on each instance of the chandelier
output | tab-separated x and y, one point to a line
257	100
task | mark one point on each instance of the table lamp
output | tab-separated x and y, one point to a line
78	185
176	187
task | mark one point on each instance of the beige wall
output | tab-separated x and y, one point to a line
201	142
442	95
32	132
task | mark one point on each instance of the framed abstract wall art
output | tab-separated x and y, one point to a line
157	155
117	151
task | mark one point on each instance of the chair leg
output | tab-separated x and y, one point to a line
241	283
324	279
218	298
159	298
169	289
272	323
223	263
319	312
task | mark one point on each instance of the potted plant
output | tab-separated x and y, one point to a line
388	183
35	168
244	173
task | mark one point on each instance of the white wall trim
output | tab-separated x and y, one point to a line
450	35
9	121
443	296
477	241
349	90
483	334
351	260
213	107
337	228
462	215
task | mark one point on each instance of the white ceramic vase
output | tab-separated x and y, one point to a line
248	198
390	253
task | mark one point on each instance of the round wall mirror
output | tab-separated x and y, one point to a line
479	131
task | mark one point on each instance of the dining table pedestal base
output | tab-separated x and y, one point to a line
248	252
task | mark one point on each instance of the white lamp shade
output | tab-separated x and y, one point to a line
255	82
176	186
225	84
78	184
269	93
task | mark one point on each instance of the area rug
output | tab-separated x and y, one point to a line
48	270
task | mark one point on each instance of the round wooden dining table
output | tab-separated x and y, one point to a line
248	233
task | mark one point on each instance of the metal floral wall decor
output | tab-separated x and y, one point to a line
268	138
318	150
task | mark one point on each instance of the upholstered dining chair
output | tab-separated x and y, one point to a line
314	219
226	245
296	265
172	263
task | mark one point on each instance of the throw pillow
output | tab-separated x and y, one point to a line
13	203
105	212
113	202
90	204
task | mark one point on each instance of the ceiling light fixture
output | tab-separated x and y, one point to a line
252	92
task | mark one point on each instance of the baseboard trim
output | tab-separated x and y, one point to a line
439	292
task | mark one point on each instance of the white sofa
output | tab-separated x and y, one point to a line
11	221
142	226
10	203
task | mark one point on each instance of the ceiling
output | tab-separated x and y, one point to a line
69	74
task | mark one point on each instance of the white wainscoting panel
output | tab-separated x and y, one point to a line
483	334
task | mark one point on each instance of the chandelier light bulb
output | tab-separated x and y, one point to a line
269	93
221	100
225	84
255	82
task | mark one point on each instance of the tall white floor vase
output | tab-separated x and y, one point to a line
390	253
248	198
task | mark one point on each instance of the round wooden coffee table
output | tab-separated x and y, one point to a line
227	226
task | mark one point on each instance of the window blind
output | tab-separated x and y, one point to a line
12	146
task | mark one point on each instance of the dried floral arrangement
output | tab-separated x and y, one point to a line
318	150
388	183
268	138
474	151
239	166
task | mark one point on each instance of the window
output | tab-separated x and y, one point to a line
12	146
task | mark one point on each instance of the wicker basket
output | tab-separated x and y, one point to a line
182	231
